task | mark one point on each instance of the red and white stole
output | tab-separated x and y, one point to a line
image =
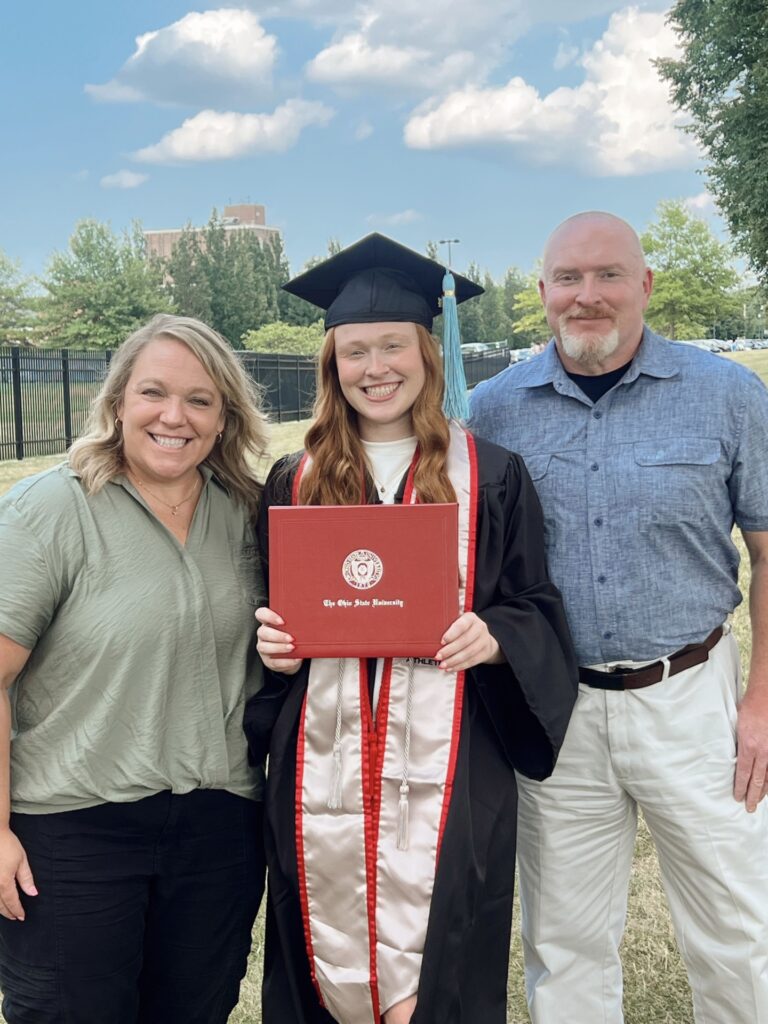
365	899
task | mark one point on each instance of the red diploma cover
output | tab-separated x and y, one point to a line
364	581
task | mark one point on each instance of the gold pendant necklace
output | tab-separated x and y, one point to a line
383	486
174	508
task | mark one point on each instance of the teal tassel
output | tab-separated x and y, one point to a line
455	404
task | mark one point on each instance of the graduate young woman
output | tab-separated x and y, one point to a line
391	804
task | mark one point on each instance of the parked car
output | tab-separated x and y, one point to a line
703	343
519	355
473	349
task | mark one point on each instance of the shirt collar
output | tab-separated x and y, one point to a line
654	357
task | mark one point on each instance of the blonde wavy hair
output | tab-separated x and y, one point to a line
97	456
338	457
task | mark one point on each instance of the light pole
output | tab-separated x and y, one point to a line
449	242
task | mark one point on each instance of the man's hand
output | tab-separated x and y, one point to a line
752	728
15	874
751	781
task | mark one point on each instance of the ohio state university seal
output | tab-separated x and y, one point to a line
362	569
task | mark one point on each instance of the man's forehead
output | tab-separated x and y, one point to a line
593	245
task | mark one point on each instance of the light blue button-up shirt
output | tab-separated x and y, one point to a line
640	489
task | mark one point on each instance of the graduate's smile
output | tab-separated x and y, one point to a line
381	392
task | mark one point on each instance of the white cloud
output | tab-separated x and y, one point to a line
395	219
428	46
123	179
355	62
704	202
566	54
214	135
619	121
436	25
220	56
115	92
364	130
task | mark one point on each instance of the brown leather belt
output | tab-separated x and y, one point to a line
635	678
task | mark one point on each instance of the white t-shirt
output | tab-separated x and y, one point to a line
389	461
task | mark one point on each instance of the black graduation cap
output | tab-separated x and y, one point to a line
377	280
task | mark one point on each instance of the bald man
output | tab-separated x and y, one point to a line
644	452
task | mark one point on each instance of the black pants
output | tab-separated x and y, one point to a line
144	912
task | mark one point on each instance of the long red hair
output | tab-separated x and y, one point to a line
338	457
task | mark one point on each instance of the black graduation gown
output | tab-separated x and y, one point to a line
514	716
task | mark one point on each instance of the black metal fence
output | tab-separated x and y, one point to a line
45	394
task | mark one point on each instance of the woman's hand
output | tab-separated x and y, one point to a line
14	871
273	645
467	642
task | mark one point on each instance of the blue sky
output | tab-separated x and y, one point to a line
341	119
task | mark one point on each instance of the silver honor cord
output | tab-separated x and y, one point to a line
403	807
334	796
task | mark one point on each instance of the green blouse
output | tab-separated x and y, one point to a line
143	649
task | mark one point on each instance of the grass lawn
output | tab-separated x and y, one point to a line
656	989
757	361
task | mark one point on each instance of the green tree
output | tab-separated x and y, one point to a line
188	278
693	276
17	315
721	80
745	316
513	284
496	326
288	338
531	325
268	272
102	288
228	277
290	308
470	313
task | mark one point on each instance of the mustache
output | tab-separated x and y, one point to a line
587	314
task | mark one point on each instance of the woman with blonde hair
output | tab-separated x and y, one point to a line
390	895
131	865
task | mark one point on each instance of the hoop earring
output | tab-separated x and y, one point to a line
219	437
117	422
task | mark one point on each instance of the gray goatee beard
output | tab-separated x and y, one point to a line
589	350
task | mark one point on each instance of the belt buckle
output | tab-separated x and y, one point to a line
665	673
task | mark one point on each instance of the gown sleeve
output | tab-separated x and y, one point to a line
262	709
529	699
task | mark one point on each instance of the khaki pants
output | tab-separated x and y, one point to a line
669	749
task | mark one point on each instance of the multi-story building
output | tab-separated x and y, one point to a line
241	217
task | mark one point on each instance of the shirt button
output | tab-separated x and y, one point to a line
598	521
594	467
597	414
601	579
607	636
